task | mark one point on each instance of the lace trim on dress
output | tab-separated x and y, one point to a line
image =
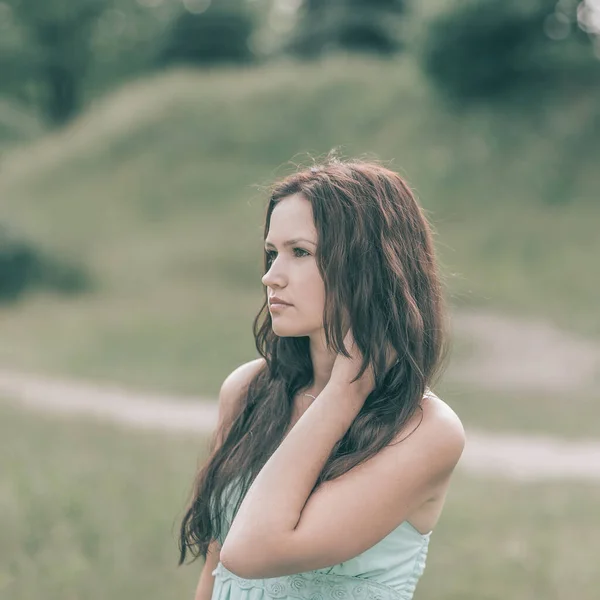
315	586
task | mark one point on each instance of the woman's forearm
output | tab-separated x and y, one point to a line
272	507
206	582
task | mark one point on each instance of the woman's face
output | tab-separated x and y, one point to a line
294	276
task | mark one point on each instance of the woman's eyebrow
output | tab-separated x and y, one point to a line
290	242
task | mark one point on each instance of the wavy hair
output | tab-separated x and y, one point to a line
376	256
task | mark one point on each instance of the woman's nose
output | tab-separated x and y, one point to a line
273	277
270	279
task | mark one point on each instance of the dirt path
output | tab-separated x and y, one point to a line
133	409
517	356
486	454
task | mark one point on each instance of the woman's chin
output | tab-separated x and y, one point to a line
281	330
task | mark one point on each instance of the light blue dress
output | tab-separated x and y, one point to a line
389	570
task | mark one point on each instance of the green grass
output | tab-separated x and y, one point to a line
90	510
498	539
156	189
569	415
18	124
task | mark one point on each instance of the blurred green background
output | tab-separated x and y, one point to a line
137	138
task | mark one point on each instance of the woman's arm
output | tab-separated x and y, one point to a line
230	395
207	581
281	530
272	506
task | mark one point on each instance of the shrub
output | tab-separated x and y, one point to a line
23	267
219	34
484	48
372	26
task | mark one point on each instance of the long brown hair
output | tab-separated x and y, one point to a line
376	256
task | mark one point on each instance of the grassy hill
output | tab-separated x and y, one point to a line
158	188
18	124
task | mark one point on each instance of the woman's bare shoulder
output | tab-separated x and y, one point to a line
233	389
237	382
441	415
434	403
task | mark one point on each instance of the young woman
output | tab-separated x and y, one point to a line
332	458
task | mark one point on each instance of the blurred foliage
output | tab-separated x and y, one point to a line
215	32
59	55
23	267
481	49
356	25
45	51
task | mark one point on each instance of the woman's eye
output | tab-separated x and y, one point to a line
271	254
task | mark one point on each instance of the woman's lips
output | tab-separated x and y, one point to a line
278	306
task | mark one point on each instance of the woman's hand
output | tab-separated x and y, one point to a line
346	369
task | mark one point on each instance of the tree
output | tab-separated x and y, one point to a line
357	25
50	52
483	49
220	32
